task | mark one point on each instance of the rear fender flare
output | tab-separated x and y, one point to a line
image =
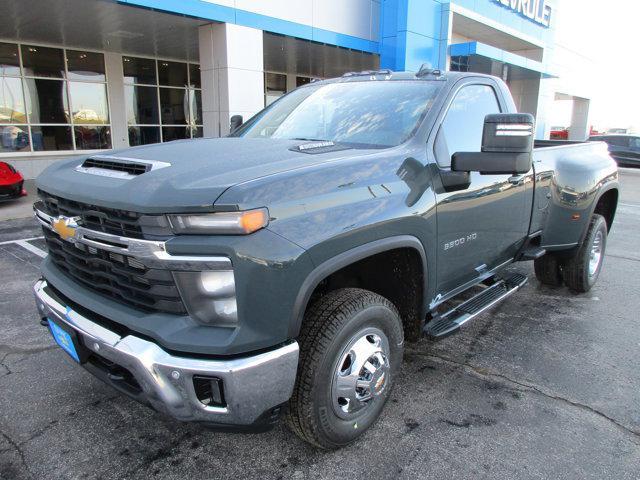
606	188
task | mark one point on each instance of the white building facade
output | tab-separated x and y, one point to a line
83	76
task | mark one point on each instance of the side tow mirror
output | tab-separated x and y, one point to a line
508	133
235	123
507	145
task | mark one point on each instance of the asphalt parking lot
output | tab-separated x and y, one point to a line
546	385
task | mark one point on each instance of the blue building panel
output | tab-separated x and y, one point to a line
431	18
423	17
220	13
412	32
419	50
191	8
487	51
271	24
346	41
389	18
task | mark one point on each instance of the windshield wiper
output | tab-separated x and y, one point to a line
355	145
311	139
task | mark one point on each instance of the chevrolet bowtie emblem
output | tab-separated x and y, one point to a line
65	227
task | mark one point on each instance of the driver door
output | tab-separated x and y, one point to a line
482	226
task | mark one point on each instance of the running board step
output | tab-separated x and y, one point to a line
448	323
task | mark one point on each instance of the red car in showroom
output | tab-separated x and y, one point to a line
11	182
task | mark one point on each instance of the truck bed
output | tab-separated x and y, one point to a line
564	192
555	143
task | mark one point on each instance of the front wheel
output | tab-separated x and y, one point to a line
581	271
350	352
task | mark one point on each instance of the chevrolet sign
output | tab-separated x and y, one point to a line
537	11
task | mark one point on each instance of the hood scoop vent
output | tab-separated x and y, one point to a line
118	167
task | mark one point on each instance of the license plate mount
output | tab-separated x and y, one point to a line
67	339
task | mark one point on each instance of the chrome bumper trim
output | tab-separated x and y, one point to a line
252	385
152	254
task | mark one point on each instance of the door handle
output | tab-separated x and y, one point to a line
515	179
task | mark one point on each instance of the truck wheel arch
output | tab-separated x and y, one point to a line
606	204
351	257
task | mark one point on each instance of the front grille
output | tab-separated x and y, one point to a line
120	277
101	219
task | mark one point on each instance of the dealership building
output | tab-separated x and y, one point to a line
82	76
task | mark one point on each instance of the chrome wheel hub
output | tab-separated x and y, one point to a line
361	374
596	254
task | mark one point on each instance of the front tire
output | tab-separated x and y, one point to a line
351	347
583	269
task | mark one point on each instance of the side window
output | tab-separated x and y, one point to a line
461	130
619	141
635	144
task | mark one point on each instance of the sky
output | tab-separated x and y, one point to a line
607	35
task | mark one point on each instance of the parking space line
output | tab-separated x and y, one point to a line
24	243
33	249
21	240
622	257
628	205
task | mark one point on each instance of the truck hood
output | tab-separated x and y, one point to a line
199	171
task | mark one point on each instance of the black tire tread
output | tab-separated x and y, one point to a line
548	270
322	322
574	272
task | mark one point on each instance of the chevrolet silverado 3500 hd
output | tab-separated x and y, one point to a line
280	270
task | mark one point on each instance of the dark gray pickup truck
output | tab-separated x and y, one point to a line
281	270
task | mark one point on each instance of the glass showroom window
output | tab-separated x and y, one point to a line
52	99
275	86
163	100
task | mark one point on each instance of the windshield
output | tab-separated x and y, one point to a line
378	114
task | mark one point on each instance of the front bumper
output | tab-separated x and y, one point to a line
253	386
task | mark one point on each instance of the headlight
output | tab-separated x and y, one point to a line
223	223
209	296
